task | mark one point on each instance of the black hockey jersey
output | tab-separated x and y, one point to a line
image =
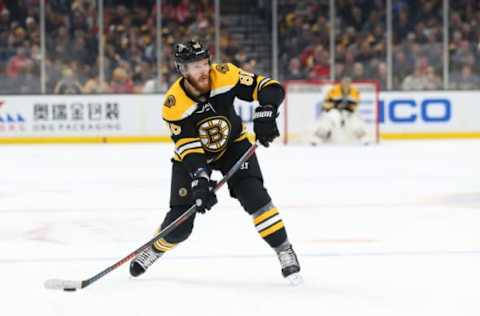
203	128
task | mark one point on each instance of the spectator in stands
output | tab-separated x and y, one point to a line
466	80
358	72
304	47
295	71
155	85
381	75
93	85
27	81
250	65
17	62
121	82
401	67
68	84
317	62
424	77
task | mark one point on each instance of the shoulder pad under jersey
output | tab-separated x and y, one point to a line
177	105
224	77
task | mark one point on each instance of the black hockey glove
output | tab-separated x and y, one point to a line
265	124
203	194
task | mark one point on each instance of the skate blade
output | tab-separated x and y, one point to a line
295	279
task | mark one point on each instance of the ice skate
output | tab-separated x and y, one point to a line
290	265
143	261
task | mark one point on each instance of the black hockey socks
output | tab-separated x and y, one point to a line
269	225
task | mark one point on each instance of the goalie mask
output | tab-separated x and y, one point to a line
189	52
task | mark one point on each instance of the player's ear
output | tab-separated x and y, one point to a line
181	69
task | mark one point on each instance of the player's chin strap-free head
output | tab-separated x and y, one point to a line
188	52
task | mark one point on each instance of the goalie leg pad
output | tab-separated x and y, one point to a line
327	123
356	125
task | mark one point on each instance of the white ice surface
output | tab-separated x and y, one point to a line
385	230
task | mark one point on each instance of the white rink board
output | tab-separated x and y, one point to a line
99	115
429	114
433	112
81	116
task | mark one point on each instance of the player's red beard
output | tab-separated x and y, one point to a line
201	84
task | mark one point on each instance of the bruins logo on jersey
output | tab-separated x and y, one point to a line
214	133
222	68
170	101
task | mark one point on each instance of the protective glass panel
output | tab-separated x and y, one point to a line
246	35
464	47
71	47
20	54
130	45
181	21
360	40
303	40
417	45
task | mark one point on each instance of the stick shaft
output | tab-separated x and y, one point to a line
182	218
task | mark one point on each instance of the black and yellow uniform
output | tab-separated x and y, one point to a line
342	100
209	135
203	127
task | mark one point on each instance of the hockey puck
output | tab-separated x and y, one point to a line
70	290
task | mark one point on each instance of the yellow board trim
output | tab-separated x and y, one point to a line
398	136
265	215
84	140
272	229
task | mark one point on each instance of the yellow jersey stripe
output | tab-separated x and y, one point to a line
272	229
268	83
191	151
265	215
241	137
186	140
188	146
260	80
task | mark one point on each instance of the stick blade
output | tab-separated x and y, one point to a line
59	284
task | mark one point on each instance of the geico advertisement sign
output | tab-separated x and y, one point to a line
410	110
447	110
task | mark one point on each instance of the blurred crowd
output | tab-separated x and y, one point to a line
464	44
72	44
360	46
360	42
130	46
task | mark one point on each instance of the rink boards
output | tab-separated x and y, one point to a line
137	118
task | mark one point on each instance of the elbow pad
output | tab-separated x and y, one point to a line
272	94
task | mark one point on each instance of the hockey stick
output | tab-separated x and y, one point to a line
70	285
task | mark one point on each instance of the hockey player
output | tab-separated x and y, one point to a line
209	135
340	120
